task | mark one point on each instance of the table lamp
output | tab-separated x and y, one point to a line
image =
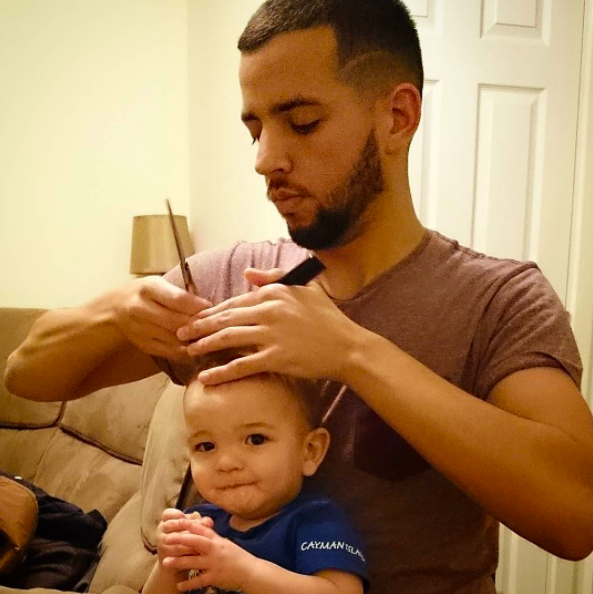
153	245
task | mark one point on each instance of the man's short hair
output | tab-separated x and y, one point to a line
377	39
307	392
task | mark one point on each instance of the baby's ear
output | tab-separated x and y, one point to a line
316	446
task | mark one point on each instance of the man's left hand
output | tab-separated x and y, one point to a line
292	330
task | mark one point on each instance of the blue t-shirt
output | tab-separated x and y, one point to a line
310	534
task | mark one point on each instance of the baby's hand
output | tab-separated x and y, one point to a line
174	520
215	561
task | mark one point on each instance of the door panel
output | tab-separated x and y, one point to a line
500	126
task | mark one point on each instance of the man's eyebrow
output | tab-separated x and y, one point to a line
283	107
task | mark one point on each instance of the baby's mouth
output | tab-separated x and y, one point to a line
234	486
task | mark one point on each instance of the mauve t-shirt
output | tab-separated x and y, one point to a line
473	320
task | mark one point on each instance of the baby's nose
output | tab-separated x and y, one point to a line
227	461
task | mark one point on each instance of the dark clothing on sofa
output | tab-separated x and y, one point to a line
63	548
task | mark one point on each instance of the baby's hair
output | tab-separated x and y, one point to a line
308	392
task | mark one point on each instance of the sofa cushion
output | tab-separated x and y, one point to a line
21	451
124	559
19	413
112	590
94	459
116	419
87	476
165	461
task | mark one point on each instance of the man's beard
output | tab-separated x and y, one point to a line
341	220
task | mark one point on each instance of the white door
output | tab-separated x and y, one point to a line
493	163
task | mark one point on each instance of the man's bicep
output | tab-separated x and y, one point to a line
546	395
127	364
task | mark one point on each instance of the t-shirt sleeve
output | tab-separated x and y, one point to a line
525	325
325	539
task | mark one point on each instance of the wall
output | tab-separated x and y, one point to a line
228	200
93	130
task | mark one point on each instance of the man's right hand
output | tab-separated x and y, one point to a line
149	311
71	352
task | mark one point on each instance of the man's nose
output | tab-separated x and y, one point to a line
272	155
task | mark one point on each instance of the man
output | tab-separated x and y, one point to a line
460	406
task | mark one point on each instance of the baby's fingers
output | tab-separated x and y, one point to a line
174	550
207	521
172	514
176	525
185	524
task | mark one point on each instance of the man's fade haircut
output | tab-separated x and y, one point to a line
377	39
307	392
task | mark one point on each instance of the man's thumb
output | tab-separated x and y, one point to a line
259	278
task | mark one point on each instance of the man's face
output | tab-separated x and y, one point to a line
317	147
248	442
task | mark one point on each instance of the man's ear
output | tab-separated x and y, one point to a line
316	445
401	110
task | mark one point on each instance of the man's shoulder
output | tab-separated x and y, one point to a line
441	268
454	264
452	252
219	273
263	254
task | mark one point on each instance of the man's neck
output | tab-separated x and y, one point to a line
390	235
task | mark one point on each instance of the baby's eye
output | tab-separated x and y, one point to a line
257	439
305	128
204	446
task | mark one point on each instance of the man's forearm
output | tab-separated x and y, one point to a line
72	352
62	349
528	473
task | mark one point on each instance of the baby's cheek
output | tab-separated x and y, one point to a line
200	477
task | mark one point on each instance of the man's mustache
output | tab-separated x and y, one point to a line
279	184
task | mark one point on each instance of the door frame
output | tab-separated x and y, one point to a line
580	278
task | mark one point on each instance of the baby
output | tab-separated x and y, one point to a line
252	442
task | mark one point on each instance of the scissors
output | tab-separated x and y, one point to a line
188	280
299	275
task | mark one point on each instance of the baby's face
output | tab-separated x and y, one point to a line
248	445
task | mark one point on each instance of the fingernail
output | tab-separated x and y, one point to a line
183	333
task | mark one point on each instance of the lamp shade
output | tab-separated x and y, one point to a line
153	244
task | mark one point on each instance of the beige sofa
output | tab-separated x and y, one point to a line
120	450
